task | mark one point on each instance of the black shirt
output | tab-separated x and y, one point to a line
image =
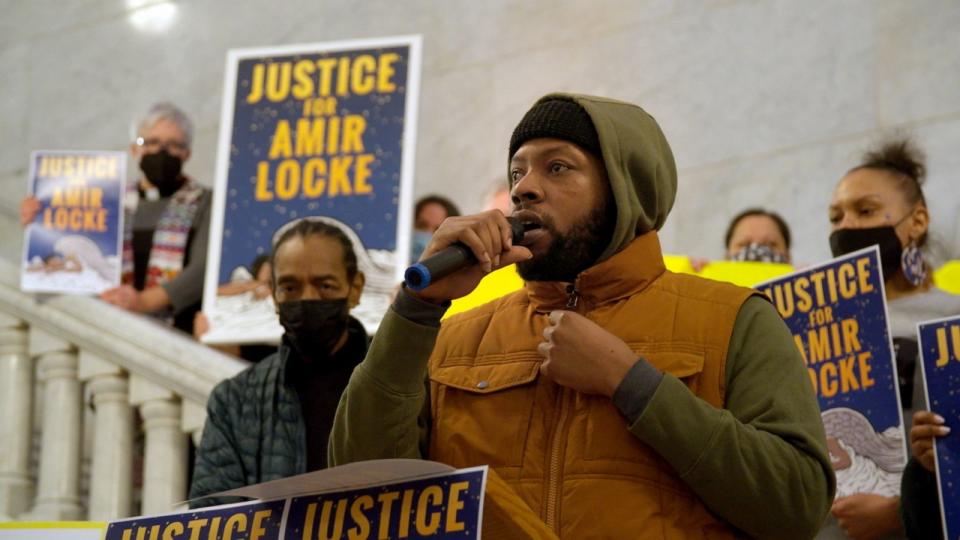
319	384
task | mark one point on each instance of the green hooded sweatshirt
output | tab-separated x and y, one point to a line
640	166
760	464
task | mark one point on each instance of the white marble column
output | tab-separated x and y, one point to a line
165	454
16	400
111	476
58	496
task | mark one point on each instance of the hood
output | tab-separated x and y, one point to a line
639	163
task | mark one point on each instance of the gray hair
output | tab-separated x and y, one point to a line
170	112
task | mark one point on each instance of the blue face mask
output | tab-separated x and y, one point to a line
418	244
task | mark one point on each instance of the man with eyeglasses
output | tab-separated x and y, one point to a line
166	226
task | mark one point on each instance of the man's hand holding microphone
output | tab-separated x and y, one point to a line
488	236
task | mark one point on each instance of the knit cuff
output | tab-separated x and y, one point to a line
636	389
418	311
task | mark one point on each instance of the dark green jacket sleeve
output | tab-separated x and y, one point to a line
761	464
384	411
218	465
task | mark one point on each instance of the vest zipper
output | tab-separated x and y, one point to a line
573	297
556	465
555	470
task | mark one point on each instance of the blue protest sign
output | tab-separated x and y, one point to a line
837	314
940	353
322	130
247	521
442	506
74	243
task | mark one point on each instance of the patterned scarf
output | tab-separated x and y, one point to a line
169	238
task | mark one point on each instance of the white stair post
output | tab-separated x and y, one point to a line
165	454
58	496
111	472
194	417
16	402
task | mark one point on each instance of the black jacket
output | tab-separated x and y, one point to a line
256	429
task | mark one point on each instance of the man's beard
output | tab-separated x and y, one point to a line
579	249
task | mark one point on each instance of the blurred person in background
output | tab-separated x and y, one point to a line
758	235
428	214
880	202
166	226
256	281
499	197
755	235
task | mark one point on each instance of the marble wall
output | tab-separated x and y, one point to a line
764	102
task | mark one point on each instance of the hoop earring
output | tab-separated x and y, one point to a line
911	264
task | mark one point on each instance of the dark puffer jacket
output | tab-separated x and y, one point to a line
255	429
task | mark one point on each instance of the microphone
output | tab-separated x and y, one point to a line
452	258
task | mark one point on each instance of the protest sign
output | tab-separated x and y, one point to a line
74	243
837	314
940	353
325	129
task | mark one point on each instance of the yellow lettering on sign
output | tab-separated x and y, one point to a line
428	522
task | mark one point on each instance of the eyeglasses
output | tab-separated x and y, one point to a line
153	145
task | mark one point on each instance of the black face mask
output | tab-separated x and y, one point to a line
314	326
843	241
162	169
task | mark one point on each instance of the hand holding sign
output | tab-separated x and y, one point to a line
926	426
29	208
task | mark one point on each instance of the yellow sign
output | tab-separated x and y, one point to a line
494	285
745	274
947	277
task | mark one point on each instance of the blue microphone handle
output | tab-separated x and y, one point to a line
448	260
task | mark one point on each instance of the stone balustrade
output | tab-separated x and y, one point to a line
66	360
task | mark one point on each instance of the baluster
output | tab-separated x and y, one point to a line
111	482
165	455
16	401
58	496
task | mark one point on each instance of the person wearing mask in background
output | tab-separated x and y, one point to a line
617	398
428	214
881	202
165	236
272	420
758	235
754	235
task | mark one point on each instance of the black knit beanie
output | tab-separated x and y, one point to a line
557	119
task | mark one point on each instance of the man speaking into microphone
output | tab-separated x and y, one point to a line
618	399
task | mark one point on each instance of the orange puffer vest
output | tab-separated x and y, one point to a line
569	455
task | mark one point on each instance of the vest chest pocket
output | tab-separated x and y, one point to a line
685	366
607	435
481	413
